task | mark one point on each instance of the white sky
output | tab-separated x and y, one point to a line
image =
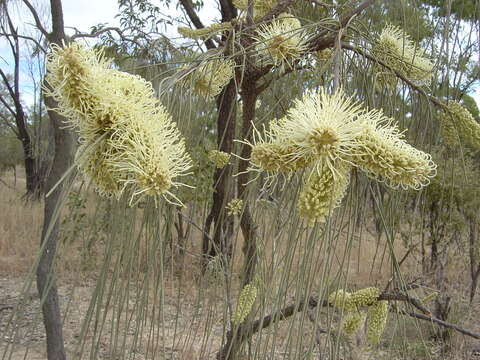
82	14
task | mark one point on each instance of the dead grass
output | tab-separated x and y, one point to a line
20	226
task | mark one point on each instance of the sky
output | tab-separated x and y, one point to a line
83	14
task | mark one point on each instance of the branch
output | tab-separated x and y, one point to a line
26	38
277	10
323	40
229	11
433	99
441	323
38	23
246	330
188	6
97	33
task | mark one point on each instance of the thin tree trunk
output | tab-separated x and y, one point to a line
64	147
222	194
249	98
474	263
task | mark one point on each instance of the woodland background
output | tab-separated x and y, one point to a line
116	281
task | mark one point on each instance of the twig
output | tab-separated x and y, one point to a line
26	38
441	323
38	23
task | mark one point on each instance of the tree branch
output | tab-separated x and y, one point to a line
249	329
324	40
188	6
442	323
97	33
26	38
38	23
277	10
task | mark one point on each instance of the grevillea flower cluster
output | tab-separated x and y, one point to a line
206	32
458	125
209	78
127	138
323	192
396	49
328	135
377	320
353	321
281	41
353	305
219	158
245	303
234	207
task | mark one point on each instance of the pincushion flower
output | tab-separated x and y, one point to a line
245	303
323	192
458	124
376	321
219	158
206	32
384	155
234	207
321	126
280	156
353	321
128	140
332	132
363	297
209	78
339	299
396	49
281	41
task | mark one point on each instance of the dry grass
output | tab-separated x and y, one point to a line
20	226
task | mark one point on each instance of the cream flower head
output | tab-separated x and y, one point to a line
281	41
128	140
206	32
323	192
384	155
321	126
209	78
457	124
219	158
396	49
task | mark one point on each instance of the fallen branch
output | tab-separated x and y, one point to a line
246	330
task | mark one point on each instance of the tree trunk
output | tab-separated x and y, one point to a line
46	282
64	147
249	98
474	263
220	243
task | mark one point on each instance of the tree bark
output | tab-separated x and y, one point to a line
474	263
249	98
222	180
64	147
